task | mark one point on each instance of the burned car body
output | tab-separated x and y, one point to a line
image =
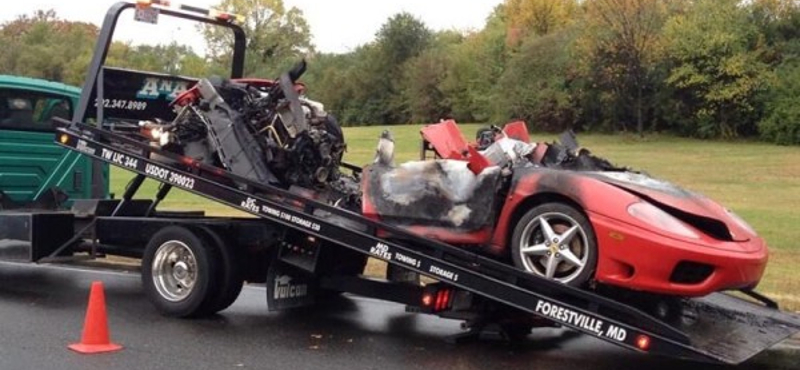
561	212
551	209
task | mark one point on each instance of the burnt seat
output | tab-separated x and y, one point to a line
436	193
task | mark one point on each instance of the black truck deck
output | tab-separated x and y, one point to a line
725	328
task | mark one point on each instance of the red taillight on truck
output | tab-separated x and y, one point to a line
643	342
437	298
427	299
442	300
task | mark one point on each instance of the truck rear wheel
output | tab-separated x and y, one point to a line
230	274
177	272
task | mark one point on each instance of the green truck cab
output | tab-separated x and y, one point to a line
32	167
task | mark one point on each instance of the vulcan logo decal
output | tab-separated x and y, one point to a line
284	289
155	88
84	147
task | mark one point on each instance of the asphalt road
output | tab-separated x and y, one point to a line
42	311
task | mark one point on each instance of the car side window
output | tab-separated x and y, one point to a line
31	111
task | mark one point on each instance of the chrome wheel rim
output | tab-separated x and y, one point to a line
174	270
555	246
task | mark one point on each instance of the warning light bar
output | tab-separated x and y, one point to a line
211	13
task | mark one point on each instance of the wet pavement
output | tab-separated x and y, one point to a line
42	311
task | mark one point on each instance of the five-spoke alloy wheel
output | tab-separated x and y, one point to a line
556	241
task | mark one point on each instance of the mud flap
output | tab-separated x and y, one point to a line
732	330
289	287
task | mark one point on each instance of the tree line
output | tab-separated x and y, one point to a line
699	68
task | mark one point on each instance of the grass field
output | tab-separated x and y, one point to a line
760	182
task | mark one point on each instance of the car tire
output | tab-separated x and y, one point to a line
573	263
230	273
178	270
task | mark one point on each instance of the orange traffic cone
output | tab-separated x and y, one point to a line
95	338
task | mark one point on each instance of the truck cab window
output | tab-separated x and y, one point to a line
27	111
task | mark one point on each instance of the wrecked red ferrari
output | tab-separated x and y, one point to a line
551	209
557	211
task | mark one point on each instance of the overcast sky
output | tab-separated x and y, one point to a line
336	25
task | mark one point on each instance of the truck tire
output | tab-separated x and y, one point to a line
230	274
178	272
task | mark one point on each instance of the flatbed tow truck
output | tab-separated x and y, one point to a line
305	250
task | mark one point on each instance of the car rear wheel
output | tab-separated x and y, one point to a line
555	241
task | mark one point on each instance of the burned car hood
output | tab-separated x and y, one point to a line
688	206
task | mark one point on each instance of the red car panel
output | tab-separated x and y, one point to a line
517	130
640	259
446	139
684	200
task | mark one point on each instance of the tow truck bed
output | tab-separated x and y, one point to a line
726	329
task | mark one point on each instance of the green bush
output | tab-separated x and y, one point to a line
535	88
781	122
